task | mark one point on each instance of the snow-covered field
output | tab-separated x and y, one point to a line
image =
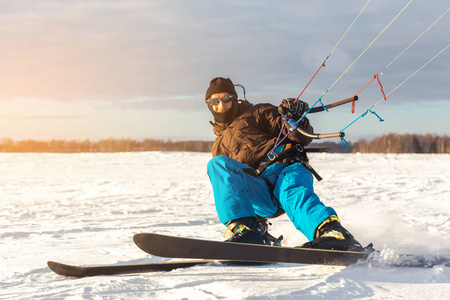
83	209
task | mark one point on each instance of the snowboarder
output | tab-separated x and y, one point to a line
243	198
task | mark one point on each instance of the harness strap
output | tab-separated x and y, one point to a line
296	151
308	166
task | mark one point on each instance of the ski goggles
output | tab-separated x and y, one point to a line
216	101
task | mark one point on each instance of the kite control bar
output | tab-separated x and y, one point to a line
331	105
320	135
294	125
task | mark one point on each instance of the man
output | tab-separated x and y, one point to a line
246	133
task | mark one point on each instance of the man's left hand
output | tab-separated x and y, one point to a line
293	109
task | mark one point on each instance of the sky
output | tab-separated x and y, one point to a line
139	69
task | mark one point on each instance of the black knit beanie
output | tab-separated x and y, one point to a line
220	85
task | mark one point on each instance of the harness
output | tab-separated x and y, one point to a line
291	154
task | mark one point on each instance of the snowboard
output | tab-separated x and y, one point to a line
79	271
180	247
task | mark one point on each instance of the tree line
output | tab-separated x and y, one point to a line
390	143
104	145
405	143
394	143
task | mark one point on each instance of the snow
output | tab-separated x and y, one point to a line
83	209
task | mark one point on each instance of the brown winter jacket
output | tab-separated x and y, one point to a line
251	136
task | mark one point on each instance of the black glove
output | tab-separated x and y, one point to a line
291	109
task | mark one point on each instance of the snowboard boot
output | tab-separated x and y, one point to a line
331	235
247	230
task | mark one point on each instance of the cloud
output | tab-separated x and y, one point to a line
118	50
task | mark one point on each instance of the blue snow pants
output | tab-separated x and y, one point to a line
239	193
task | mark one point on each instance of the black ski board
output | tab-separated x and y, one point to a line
79	271
171	246
179	247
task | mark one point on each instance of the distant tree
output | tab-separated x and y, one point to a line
416	145
361	146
